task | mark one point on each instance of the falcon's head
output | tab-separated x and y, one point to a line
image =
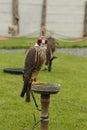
42	41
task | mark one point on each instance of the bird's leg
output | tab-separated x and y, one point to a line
50	66
35	82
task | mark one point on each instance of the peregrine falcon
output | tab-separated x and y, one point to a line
33	62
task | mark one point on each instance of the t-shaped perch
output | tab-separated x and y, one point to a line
45	90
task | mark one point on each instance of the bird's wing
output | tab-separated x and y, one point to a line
29	64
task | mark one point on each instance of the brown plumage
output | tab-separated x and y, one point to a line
33	62
49	52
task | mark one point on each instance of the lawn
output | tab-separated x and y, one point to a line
19	43
68	108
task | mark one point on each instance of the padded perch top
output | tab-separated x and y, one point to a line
46	88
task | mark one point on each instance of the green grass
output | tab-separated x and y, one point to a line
80	44
67	109
19	43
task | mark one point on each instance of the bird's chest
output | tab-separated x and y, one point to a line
40	55
39	60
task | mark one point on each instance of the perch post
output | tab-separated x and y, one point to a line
45	91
